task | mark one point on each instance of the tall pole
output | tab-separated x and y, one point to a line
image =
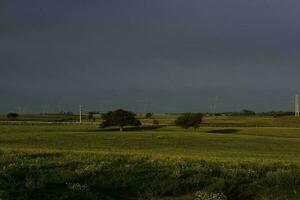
80	113
213	104
297	108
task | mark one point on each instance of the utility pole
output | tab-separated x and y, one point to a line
297	108
80	113
213	104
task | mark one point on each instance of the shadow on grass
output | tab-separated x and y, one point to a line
42	155
141	128
224	131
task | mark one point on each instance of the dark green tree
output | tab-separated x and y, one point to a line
248	112
12	116
120	118
148	115
90	116
189	120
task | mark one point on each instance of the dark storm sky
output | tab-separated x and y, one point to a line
171	55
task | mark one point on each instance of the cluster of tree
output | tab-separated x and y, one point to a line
66	113
247	112
122	118
277	113
244	112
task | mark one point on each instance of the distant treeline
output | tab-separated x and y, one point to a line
245	112
252	113
277	113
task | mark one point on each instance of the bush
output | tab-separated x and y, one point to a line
155	122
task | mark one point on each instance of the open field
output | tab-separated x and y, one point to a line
236	144
255	158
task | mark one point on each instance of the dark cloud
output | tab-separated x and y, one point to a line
51	47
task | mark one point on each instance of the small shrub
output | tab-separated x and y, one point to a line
155	122
209	196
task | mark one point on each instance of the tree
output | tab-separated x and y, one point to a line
91	116
148	115
12	116
119	118
248	112
188	120
66	113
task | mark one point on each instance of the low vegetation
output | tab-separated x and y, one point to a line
86	176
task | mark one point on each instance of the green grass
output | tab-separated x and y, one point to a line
84	162
246	144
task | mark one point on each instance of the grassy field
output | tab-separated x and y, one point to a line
214	143
246	158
